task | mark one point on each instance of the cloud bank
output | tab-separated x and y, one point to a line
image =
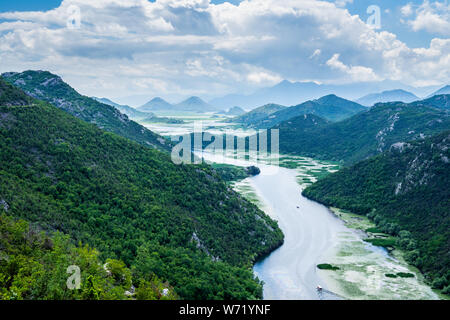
175	48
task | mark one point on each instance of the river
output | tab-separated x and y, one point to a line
313	235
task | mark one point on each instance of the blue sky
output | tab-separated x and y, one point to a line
176	48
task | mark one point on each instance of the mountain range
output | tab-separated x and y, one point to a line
387	96
192	104
46	86
292	93
330	107
129	111
364	134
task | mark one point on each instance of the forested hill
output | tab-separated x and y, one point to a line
131	202
330	107
404	188
11	97
365	134
256	115
46	86
33	266
438	101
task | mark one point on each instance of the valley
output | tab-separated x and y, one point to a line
313	234
283	241
237	157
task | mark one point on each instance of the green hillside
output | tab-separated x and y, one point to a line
405	190
256	115
438	101
132	203
11	97
363	135
33	266
46	86
329	107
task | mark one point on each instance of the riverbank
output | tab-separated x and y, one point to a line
371	272
362	266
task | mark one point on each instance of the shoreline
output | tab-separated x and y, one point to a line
364	277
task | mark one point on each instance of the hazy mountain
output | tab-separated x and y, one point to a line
107	101
46	86
129	111
364	134
387	96
258	114
405	190
156	104
234	111
194	104
131	202
438	101
284	93
292	93
443	90
330	107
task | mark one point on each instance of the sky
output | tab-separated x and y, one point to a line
133	50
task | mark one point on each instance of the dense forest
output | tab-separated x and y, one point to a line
34	265
405	190
46	86
365	134
130	202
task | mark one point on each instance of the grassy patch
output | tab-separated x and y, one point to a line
400	275
327	266
289	164
391	275
388	242
405	275
374	230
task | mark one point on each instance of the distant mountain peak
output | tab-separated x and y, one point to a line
388	96
158	99
443	90
194	99
156	104
195	104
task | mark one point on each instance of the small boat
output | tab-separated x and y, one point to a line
319	288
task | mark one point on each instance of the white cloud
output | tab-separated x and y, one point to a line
263	77
433	17
407	10
315	54
173	47
357	73
342	3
